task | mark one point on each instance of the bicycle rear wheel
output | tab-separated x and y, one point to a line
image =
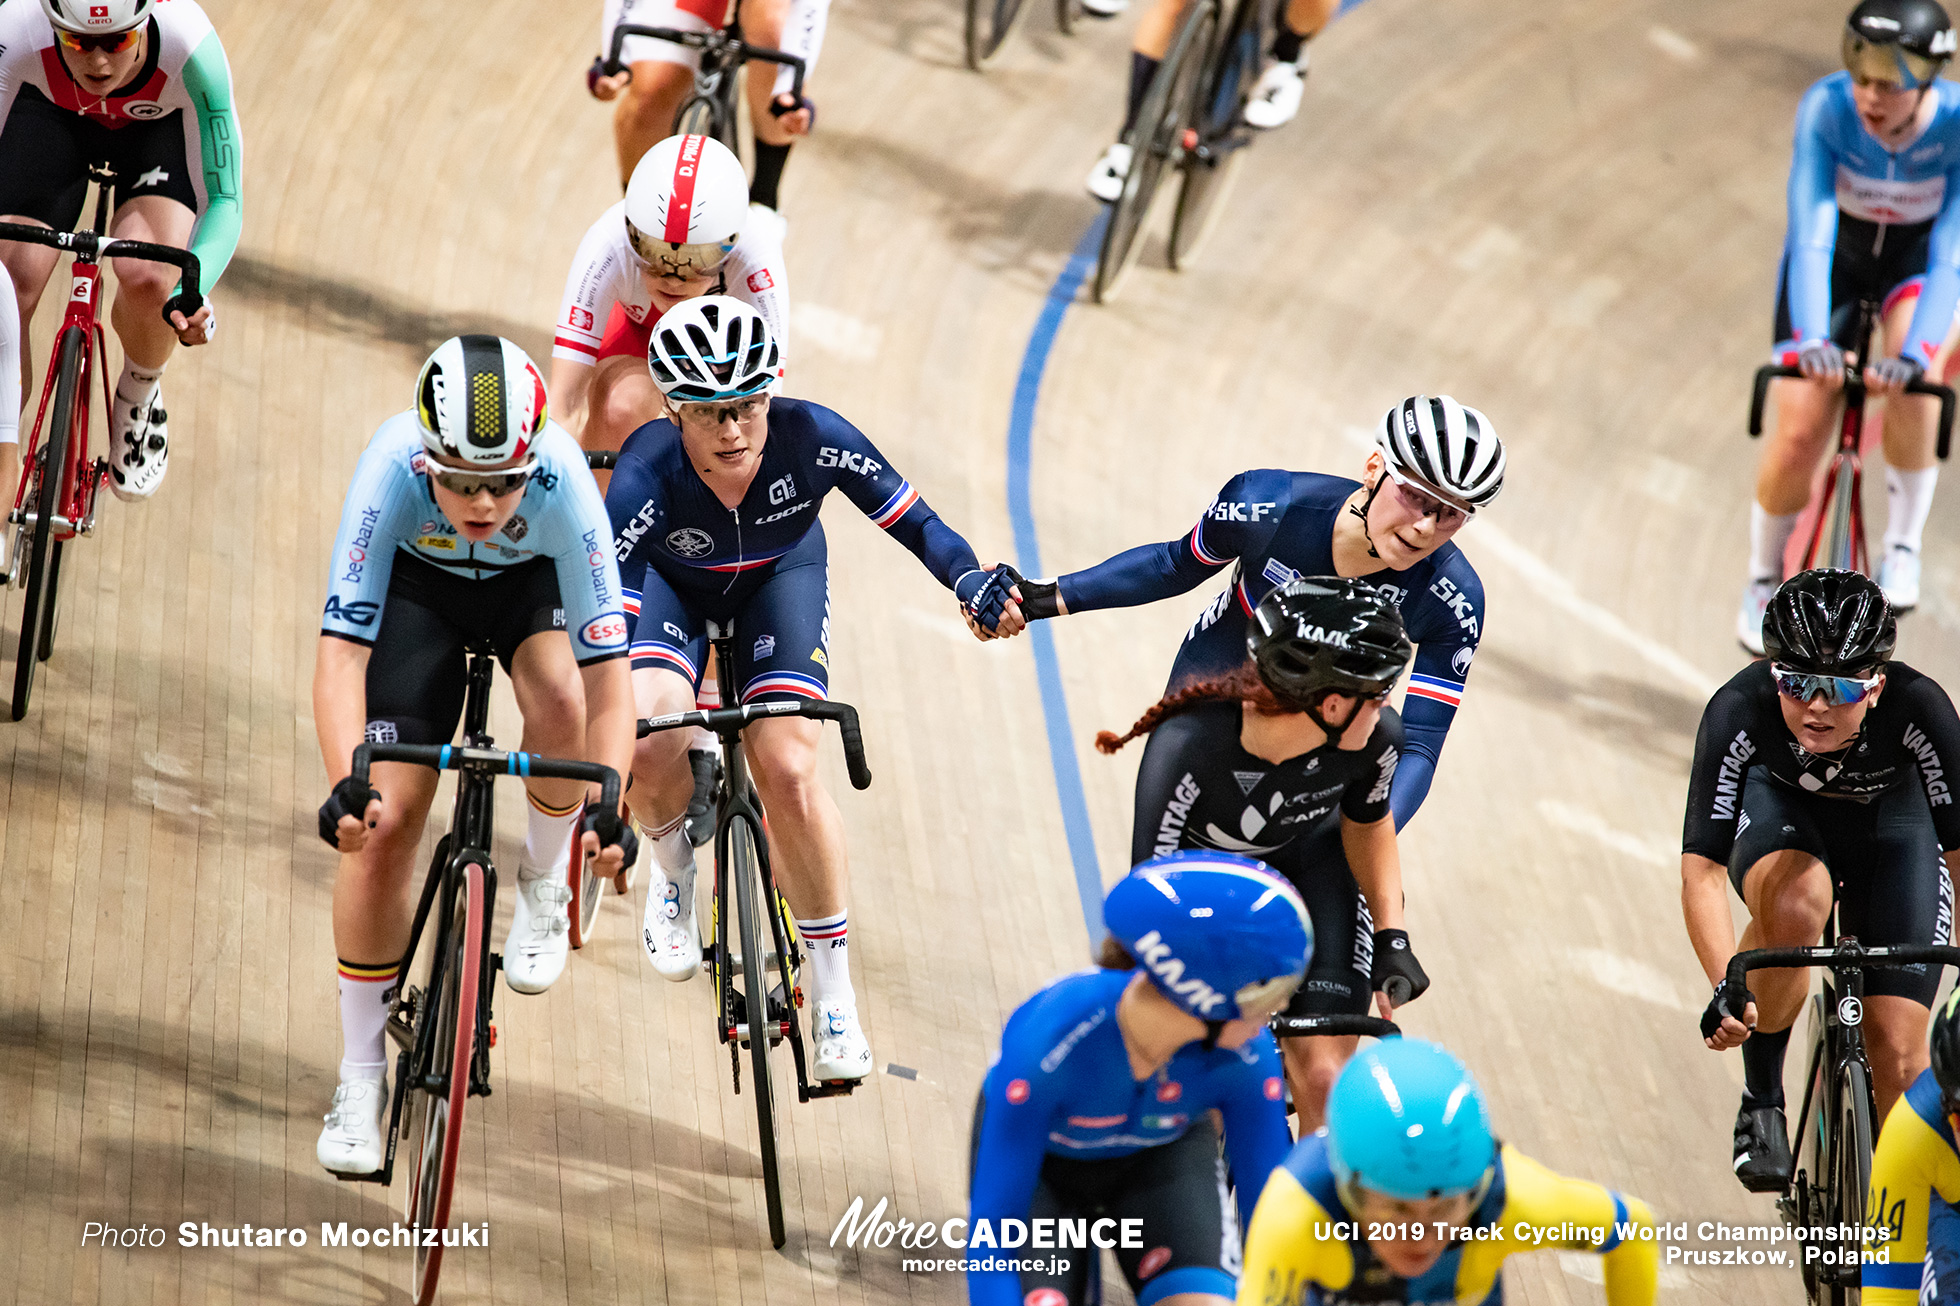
703	116
988	25
42	499
588	891
745	867
1850	1176
1211	168
1159	133
435	1115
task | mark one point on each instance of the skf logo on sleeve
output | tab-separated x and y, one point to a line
760	280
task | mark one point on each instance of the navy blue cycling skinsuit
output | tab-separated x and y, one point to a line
1275	526
1066	1132
685	559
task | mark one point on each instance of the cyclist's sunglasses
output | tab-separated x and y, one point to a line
112	43
469	484
1890	64
712	416
1420	501
1837	690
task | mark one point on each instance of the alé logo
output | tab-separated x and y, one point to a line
1155	954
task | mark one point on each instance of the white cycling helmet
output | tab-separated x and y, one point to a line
96	17
480	399
1439	446
686	204
711	350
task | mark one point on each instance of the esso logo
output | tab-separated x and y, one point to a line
601	631
1850	1011
1017	1091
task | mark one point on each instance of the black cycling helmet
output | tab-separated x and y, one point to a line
1946	1052
1830	623
1903	41
1326	634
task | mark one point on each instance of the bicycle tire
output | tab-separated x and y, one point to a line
436	1122
701	115
745	867
1217	101
1851	1170
588	891
1840	548
45	496
1158	131
988	25
1068	13
53	621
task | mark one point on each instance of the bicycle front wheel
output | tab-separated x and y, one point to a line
702	116
43	499
1851	1173
435	1120
1840	533
1158	136
988	25
745	866
588	891
1212	166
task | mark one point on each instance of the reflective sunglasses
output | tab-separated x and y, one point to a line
112	43
1887	64
680	262
469	484
712	416
1837	690
1424	504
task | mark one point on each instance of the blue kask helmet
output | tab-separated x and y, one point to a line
1214	932
1406	1119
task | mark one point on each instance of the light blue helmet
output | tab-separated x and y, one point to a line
1406	1119
1214	932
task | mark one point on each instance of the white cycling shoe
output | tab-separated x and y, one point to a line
1104	8
540	930
1106	178
1276	96
351	1142
667	931
842	1052
144	434
1749	617
1899	577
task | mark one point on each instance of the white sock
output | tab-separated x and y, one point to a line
137	385
1769	534
828	942
707	697
1908	498
671	850
548	835
364	994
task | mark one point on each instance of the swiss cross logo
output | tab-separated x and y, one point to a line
98	11
580	318
760	280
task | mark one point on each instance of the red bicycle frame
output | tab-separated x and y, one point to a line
80	480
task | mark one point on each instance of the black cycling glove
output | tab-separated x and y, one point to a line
1729	1000
1396	970
612	831
349	798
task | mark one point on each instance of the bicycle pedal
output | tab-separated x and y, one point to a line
496	961
377	1177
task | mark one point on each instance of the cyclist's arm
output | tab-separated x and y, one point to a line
1283	1258
888	499
1256	1140
1150	572
1368	827
1428	708
1724	749
9	363
207	80
1007	1157
340	702
1543	1200
1910	1162
759	277
1937	297
591	290
610	718
1813	217
1938	749
1165	790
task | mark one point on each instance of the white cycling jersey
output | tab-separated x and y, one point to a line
9	363
802	32
606	271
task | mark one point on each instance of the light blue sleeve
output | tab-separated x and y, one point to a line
581	546
1813	215
1941	292
380	508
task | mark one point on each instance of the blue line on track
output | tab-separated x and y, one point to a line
1027	550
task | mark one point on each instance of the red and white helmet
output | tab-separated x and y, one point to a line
685	205
96	17
480	400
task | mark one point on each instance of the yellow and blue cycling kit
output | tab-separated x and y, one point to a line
1915	1182
1307	1248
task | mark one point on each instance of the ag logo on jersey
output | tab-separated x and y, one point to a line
361	612
690	542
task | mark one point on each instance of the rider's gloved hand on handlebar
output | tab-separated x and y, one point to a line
608	838
1820	360
1890	374
1396	965
603	87
351	810
1730	1017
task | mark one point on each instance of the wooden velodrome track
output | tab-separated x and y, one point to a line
1564	211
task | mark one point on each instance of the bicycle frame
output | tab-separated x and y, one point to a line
723	52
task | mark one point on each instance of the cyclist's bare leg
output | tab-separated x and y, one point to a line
1806	424
1312	1065
662	781
1895	1044
644	115
372	910
763	22
621	399
142	286
1308	17
30	266
1910	420
568	392
1157	26
551	698
1788	894
806	832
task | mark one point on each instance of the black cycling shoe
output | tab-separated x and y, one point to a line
700	809
1762	1149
